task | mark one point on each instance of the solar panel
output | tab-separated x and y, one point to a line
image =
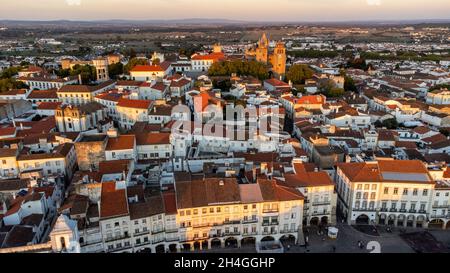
420	177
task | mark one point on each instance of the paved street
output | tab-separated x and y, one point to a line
347	242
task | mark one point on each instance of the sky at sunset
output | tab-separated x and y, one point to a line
251	10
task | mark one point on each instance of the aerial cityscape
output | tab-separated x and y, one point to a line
301	128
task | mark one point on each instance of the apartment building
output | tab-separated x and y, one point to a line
396	193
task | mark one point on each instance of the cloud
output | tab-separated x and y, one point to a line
73	2
374	2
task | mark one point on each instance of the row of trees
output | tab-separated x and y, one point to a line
311	53
403	56
241	68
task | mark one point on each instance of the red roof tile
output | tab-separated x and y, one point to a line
141	104
147	68
123	142
113	202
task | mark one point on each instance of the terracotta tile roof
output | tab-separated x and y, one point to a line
7	131
110	96
421	130
170	202
43	94
123	142
48	190
213	56
152	206
129	83
271	191
14	184
210	191
180	83
406	144
147	68
19	236
85	88
440	144
152	138
49	105
435	139
113	166
14	92
277	83
159	86
140	104
373	172
32	68
304	177
113	202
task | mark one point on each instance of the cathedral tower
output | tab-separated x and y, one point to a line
262	51
278	59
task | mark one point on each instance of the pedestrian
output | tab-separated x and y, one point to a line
334	249
288	247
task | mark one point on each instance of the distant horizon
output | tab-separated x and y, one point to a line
235	10
424	20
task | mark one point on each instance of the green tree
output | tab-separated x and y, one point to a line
239	67
298	73
335	92
359	63
349	84
115	70
445	132
63	73
87	72
440	86
390	123
10	72
11	83
133	62
156	61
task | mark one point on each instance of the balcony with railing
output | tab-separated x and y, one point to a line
116	238
158	240
235	222
269	232
121	248
142	243
318	213
441	206
442	215
321	203
174	239
288	230
271	210
273	223
249	233
157	231
141	232
249	221
171	230
231	233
